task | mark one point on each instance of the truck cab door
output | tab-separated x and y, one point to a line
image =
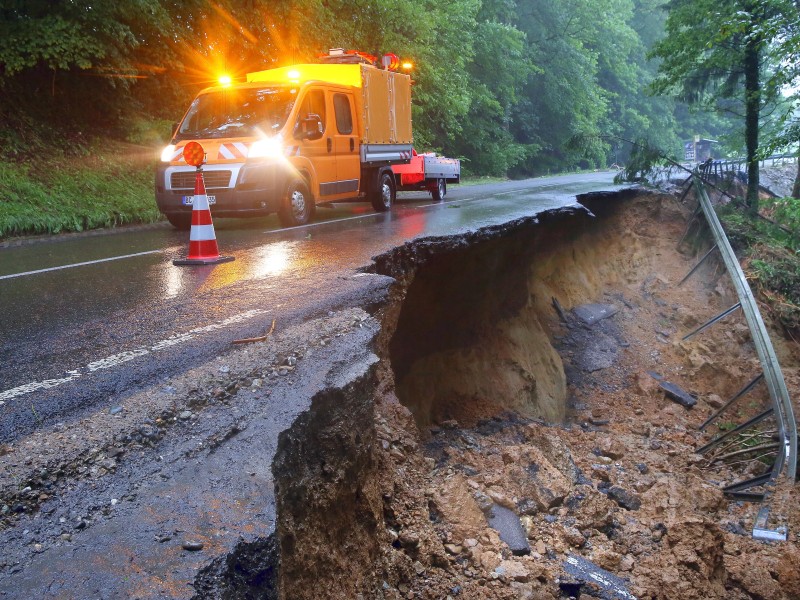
345	144
315	146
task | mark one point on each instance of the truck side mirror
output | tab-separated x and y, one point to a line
310	128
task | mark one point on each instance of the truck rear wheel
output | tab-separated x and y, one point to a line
384	195
440	190
297	207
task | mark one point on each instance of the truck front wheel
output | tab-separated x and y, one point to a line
440	190
384	196
297	207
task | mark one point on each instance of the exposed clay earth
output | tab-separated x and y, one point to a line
522	444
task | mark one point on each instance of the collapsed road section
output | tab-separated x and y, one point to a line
491	422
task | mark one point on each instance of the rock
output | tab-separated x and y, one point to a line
624	498
453	549
192	545
513	571
643	484
114	410
545	485
627	563
409	539
148	431
490	560
687	317
606	559
553	448
595	511
499	497
573	537
714	401
611	447
185	415
454	501
601	472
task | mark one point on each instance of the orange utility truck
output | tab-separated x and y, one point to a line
294	137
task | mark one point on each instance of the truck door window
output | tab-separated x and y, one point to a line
344	118
313	104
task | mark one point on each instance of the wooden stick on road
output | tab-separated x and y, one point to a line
256	339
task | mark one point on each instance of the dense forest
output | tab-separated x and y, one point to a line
506	85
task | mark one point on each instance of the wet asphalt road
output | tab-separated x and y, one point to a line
78	337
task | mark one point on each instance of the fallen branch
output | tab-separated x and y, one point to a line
559	309
256	339
747	451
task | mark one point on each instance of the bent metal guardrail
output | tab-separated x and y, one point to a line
786	461
723	166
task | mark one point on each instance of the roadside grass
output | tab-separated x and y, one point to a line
770	250
68	193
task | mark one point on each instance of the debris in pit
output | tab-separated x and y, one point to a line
601	583
627	500
677	394
592	313
509	527
599	353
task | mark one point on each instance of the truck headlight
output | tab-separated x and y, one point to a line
167	153
266	148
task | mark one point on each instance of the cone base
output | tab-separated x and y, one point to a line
202	261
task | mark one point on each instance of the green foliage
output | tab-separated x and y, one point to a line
645	159
736	56
100	193
787	212
503	84
771	253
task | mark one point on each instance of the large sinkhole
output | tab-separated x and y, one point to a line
476	342
473	331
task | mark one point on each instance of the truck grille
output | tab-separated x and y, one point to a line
213	179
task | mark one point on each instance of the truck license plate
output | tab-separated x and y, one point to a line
189	200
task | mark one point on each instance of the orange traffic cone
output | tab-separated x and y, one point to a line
202	240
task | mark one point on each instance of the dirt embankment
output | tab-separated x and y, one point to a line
493	404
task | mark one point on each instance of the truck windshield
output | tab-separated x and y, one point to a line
237	112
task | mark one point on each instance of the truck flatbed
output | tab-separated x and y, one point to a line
428	172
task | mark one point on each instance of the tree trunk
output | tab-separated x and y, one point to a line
752	86
796	188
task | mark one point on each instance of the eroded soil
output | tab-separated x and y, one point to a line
617	480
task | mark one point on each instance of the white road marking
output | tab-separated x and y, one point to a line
117	359
366	216
80	264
